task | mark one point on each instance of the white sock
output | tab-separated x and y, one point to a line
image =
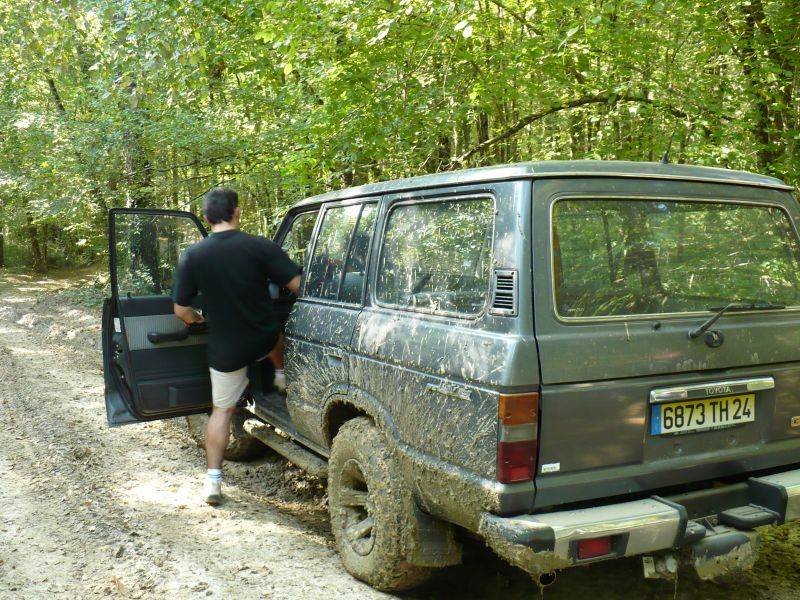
214	475
280	380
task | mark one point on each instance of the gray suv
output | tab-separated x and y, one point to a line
575	361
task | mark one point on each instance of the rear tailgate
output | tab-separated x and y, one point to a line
637	265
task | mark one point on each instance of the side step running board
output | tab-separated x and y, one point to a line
291	451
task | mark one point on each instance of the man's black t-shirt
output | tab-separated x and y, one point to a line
231	268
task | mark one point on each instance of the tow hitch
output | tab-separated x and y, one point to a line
723	551
718	552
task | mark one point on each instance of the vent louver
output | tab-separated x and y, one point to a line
504	292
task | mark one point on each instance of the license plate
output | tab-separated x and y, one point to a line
700	415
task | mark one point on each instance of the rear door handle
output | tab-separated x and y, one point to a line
334	357
445	389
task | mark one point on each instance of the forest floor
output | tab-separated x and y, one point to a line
90	512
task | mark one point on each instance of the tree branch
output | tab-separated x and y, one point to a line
518	16
56	96
602	98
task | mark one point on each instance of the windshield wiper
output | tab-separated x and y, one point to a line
732	307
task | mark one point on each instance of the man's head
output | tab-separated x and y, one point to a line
221	205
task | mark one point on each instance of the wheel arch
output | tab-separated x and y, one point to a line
343	407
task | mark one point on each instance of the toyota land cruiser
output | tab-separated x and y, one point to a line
576	361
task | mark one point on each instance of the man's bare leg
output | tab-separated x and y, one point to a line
276	356
217	435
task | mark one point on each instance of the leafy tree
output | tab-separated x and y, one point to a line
152	102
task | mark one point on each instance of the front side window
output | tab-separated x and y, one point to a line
298	238
436	256
636	257
325	268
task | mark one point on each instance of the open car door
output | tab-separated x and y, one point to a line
154	366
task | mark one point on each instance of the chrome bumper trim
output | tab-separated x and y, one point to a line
545	542
648	525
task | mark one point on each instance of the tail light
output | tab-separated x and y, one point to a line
518	420
593	548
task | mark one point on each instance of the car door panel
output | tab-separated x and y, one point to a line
147	378
431	370
320	329
317	345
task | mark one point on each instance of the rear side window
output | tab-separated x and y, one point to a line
636	257
436	256
298	238
325	269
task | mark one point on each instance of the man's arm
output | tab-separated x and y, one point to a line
183	291
187	314
280	268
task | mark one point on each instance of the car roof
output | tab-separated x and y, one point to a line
554	168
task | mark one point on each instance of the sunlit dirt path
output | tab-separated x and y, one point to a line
88	510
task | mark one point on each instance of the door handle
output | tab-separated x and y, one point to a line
177	336
159	338
334	357
445	389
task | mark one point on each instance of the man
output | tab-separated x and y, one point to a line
231	268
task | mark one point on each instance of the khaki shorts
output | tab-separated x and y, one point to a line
227	388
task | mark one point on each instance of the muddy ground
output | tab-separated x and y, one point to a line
90	512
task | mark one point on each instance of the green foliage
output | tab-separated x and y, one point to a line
152	102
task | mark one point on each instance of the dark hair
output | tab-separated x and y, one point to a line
219	204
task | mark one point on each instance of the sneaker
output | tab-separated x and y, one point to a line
212	492
279	381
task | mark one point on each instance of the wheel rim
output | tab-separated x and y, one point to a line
359	525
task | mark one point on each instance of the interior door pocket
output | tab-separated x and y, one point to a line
175	392
190	393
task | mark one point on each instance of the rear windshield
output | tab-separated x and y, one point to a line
636	257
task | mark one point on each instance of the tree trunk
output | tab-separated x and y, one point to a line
36	253
482	127
51	83
45	235
2	250
445	153
136	164
762	93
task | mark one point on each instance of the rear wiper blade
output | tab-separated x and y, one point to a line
732	307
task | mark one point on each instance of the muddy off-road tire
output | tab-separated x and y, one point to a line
370	507
241	446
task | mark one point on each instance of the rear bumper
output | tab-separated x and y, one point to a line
716	543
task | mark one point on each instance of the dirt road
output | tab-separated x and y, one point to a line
90	512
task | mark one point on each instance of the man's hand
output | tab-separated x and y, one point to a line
294	285
187	314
